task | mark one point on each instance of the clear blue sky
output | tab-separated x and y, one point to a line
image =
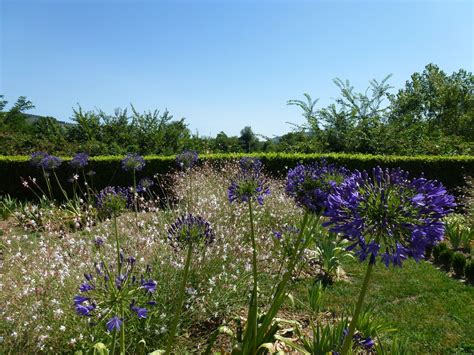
221	64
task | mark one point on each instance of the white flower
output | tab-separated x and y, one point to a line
62	328
75	177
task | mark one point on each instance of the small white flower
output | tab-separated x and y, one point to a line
62	328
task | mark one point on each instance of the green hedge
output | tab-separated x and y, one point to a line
450	170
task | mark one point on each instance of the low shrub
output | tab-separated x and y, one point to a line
469	271
438	249
459	262
446	259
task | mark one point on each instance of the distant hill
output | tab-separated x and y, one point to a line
33	118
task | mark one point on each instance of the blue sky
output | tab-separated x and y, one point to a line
221	64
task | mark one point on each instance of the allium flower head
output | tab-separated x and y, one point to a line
310	185
145	184
36	158
190	229
187	159
50	162
250	184
80	160
133	162
388	215
113	199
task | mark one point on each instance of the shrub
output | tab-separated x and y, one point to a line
469	271
446	259
459	262
438	249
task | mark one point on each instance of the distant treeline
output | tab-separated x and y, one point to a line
432	114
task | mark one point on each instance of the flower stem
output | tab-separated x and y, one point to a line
179	305
117	244
348	339
254	301
122	329
114	341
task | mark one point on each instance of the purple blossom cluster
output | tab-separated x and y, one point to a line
190	229
45	161
98	292
387	215
145	184
250	184
133	162
310	185
79	161
114	199
187	159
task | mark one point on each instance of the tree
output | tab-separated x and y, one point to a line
248	140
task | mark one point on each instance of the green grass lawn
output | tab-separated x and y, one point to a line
432	310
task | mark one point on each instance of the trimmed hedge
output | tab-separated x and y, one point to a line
450	170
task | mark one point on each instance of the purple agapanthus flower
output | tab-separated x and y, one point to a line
113	199
190	229
310	185
36	158
86	287
114	323
80	299
133	162
84	310
149	285
141	312
79	161
50	162
250	184
388	215
187	159
144	184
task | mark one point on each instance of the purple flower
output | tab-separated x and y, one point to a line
98	242
190	229
144	184
85	287
141	312
80	160
80	299
50	162
249	184
149	285
187	159
310	185
133	162
114	199
388	215
36	158
114	323
84	310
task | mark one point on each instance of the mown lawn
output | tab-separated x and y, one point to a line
432	310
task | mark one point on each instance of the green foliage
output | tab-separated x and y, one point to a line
438	249
469	271
446	259
449	170
459	262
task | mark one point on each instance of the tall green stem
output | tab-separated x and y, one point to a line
254	303
117	245
179	305
122	329
348	339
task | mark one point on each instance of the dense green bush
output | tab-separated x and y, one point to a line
469	271
450	170
438	249
446	259
459	262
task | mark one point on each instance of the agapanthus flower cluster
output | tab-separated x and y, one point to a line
50	162
187	159
190	229
250	184
79	161
310	185
133	162
111	200
98	295
388	215
144	184
36	158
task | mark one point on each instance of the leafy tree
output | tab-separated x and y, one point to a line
248	140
